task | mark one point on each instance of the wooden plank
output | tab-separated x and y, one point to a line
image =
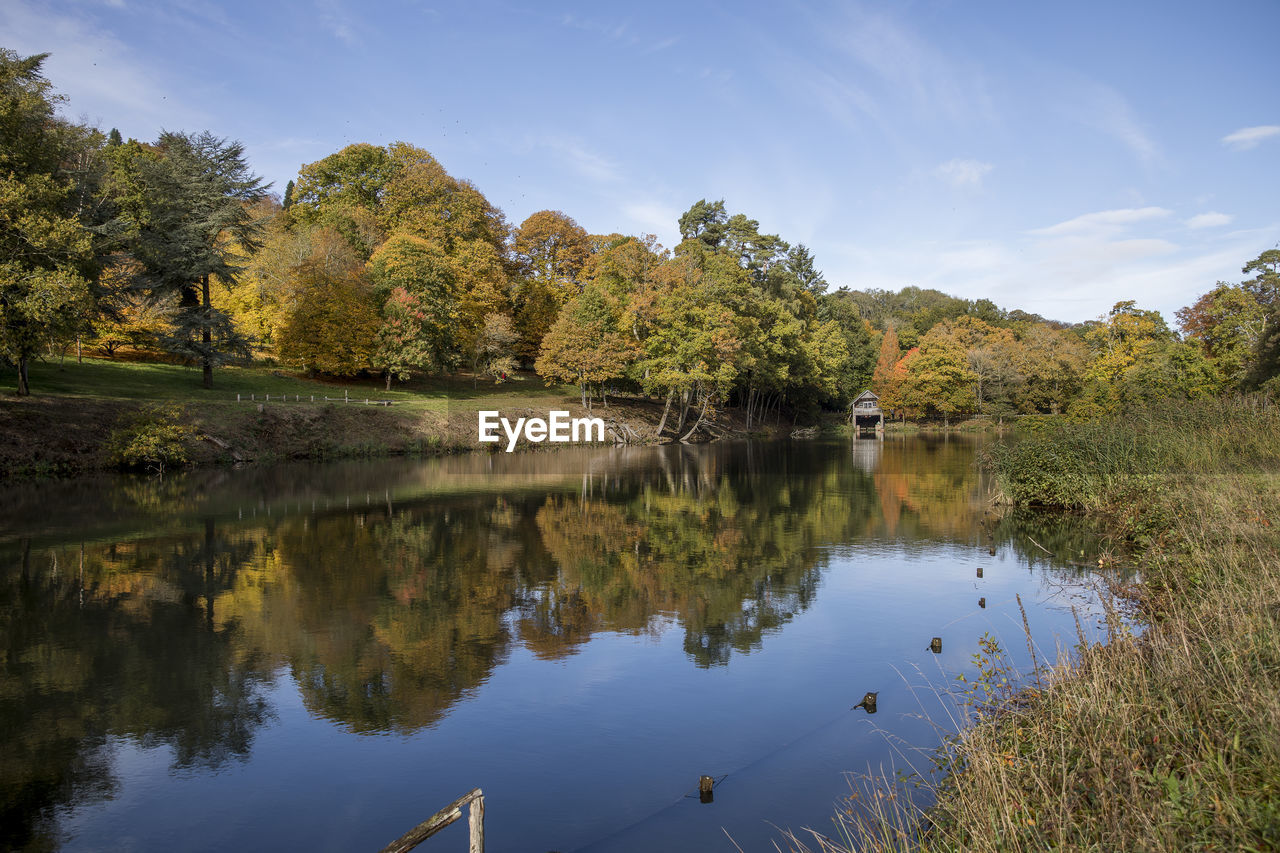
475	821
434	824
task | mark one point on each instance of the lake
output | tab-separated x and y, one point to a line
320	656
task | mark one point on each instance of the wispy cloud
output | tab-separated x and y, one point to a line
963	173
102	77
1249	137
1212	219
337	21
580	159
912	66
1103	222
652	217
1104	109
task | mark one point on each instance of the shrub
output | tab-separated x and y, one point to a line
151	439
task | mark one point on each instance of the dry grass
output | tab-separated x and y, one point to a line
1165	741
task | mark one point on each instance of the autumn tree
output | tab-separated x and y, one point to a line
333	329
1052	363
45	248
585	345
551	250
418	287
494	347
1227	322
885	378
939	381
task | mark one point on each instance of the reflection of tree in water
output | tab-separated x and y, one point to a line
717	540
398	616
390	615
93	653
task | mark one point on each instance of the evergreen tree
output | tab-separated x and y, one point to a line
185	205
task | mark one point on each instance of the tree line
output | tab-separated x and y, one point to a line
376	260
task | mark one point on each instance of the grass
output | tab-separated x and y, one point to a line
1161	741
66	425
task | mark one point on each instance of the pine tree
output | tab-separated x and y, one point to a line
185	205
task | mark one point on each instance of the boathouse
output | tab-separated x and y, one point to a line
865	414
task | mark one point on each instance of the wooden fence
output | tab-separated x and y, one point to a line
474	800
297	398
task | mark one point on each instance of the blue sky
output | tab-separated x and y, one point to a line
1055	157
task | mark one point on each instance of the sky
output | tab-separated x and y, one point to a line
1052	157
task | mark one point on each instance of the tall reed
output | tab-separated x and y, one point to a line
1160	741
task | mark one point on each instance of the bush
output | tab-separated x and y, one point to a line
151	439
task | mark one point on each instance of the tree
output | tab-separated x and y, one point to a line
332	329
1227	323
585	346
551	250
705	221
1265	287
939	381
420	307
885	378
187	208
493	348
1052	363
800	263
45	249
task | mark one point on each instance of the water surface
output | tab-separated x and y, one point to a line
319	656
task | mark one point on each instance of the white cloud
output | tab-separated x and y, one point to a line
1211	219
1249	137
963	173
101	76
1103	222
653	217
1102	108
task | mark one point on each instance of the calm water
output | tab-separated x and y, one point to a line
319	657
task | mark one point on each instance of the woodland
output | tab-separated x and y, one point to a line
377	261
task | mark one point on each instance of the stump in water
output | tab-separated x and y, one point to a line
979	571
982	602
706	785
935	645
867	704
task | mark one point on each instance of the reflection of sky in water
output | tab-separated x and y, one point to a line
869	550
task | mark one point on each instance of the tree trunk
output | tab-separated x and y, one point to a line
388	380
206	335
24	382
701	415
684	411
666	410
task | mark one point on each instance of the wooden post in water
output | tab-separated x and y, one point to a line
706	785
443	818
935	645
979	571
982	602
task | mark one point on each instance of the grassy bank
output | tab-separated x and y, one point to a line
67	425
77	410
1164	740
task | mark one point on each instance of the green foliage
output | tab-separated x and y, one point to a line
45	248
153	438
